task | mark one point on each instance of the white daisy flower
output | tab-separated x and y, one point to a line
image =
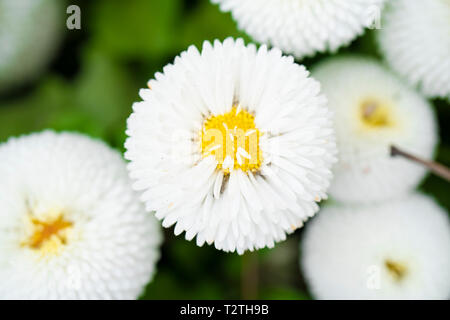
304	27
71	227
29	33
374	110
394	250
233	144
415	40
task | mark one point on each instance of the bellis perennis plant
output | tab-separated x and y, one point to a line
304	27
70	225
398	249
233	145
374	111
415	40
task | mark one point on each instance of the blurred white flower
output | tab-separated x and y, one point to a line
304	27
29	32
71	227
374	110
394	250
233	144
415	40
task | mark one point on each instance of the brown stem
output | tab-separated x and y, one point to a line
437	168
249	276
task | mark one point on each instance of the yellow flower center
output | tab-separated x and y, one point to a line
396	270
375	115
47	236
233	139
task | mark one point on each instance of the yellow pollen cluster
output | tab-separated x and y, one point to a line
375	115
48	236
233	139
396	269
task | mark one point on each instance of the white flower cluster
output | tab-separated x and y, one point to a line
380	240
234	145
70	225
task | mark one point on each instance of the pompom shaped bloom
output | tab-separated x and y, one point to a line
233	144
304	27
71	227
29	33
374	110
395	250
415	40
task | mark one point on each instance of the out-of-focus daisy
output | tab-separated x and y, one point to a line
71	227
395	250
233	144
415	40
304	27
29	32
374	110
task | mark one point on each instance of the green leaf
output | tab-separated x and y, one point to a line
207	22
105	92
35	111
135	28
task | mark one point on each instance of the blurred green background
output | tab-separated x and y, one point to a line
89	87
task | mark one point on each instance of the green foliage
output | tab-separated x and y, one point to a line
135	28
284	293
206	22
97	103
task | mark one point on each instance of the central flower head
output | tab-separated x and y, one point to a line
375	115
47	235
233	139
396	270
